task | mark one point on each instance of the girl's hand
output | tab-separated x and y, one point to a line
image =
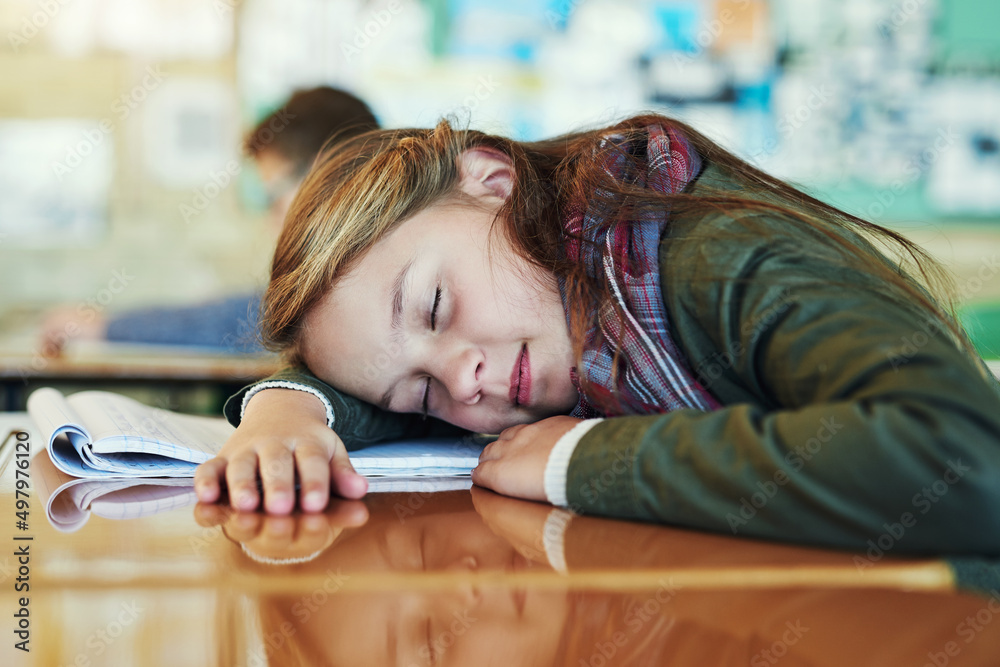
514	465
283	432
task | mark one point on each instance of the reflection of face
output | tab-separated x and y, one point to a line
457	625
439	628
478	328
277	174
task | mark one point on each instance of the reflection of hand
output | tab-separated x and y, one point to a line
283	539
514	465
519	522
66	323
283	432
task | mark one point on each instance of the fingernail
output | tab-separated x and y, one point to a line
313	500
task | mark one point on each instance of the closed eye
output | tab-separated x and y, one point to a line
434	308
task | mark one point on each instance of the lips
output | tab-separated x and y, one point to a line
520	379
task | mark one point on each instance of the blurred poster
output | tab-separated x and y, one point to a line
190	131
55	179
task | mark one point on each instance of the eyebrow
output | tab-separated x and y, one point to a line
398	298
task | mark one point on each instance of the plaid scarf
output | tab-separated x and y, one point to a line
652	373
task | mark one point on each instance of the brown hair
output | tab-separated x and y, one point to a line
303	124
362	188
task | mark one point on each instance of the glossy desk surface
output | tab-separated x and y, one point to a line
455	578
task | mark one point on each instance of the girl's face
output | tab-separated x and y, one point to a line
434	315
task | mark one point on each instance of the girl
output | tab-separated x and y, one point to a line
655	328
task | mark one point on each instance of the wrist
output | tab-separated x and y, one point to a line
286	403
558	462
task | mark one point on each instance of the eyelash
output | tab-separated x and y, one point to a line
427	391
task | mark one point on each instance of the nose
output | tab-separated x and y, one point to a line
460	372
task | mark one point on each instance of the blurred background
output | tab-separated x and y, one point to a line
123	180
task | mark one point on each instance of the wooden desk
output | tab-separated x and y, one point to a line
463	578
116	366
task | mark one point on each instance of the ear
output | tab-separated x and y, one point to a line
485	173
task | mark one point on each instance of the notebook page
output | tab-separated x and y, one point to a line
121	424
53	414
428	457
68	453
139	465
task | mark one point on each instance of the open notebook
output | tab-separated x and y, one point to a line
102	435
70	501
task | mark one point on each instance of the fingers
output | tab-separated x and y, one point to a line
277	475
485	474
314	477
241	478
319	474
344	481
206	480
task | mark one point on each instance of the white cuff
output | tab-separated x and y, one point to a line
285	384
554	538
558	463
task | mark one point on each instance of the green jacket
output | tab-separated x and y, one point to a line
848	419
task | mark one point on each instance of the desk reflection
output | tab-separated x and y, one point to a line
480	579
473	578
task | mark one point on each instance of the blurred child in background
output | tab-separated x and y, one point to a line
307	120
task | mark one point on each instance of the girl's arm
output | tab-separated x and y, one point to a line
357	422
850	421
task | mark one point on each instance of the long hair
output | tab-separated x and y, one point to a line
360	189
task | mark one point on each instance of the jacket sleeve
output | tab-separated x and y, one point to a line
867	428
357	422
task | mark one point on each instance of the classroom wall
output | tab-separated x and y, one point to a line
889	109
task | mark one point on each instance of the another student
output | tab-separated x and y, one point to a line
283	146
656	329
